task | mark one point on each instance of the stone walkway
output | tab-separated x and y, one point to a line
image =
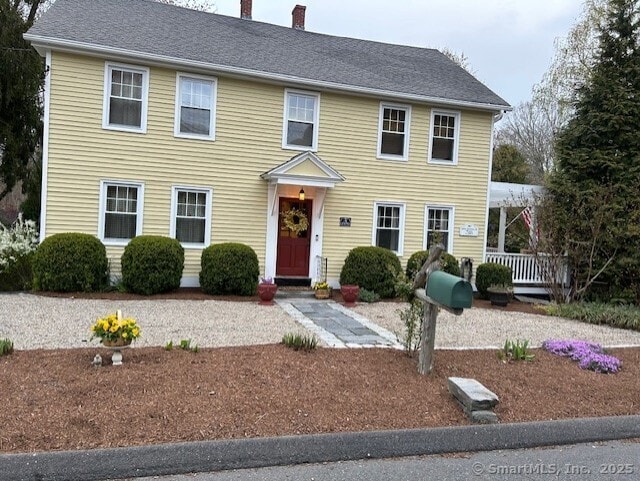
338	326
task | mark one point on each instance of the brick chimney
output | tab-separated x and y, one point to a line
245	9
298	17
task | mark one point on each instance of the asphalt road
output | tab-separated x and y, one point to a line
615	461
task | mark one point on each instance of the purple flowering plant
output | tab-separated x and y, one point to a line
590	355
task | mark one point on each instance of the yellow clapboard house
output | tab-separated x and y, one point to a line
165	121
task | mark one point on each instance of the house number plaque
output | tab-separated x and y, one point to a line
469	230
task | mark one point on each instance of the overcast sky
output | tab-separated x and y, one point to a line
509	43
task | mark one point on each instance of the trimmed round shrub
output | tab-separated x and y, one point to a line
152	264
229	268
70	262
490	274
372	268
448	264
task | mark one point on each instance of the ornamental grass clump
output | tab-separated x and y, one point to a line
115	328
589	355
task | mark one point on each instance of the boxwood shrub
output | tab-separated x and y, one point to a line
372	268
491	273
229	268
152	264
70	262
449	264
18	276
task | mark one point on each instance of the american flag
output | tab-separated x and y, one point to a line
527	216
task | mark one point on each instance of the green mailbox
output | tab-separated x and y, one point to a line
448	290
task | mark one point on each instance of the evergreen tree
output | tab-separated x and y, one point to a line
597	176
21	78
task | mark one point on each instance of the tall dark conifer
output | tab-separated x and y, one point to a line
597	172
21	77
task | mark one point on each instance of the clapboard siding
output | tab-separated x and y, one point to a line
247	143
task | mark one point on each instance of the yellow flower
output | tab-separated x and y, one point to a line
124	335
135	332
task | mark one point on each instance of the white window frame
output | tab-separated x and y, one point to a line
108	67
456	139
407	131
103	209
212	112
207	223
403	208
452	214
316	120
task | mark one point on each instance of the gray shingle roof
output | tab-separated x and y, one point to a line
149	28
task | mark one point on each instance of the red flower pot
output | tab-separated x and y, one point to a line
267	292
350	294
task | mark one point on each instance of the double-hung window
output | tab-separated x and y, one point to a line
388	229
439	227
191	215
393	131
445	134
195	107
125	98
120	211
301	119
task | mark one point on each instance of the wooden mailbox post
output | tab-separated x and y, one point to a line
437	290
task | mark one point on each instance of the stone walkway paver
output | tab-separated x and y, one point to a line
338	326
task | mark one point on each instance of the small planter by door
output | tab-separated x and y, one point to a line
267	292
350	294
322	293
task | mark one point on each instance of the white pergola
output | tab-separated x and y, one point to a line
506	194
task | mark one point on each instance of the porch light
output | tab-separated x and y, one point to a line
301	194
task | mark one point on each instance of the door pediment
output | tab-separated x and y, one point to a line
304	169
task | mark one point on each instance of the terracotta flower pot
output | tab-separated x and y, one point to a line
350	294
267	292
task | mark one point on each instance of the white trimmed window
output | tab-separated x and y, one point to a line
120	211
393	131
195	106
439	227
301	119
388	229
125	98
445	135
191	215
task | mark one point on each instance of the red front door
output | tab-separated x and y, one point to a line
294	243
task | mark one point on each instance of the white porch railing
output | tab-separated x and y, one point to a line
526	269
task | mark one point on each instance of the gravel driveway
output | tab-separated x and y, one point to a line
490	328
33	322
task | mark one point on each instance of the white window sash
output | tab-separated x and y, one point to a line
107	97
180	77
315	123
401	223
208	192
451	224
103	212
407	130
456	138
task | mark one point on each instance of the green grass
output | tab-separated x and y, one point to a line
622	316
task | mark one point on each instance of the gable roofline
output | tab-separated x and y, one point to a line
44	43
281	173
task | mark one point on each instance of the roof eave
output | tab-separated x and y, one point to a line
43	43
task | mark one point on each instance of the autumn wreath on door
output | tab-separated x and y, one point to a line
295	220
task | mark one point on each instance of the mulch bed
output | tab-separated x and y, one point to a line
55	399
